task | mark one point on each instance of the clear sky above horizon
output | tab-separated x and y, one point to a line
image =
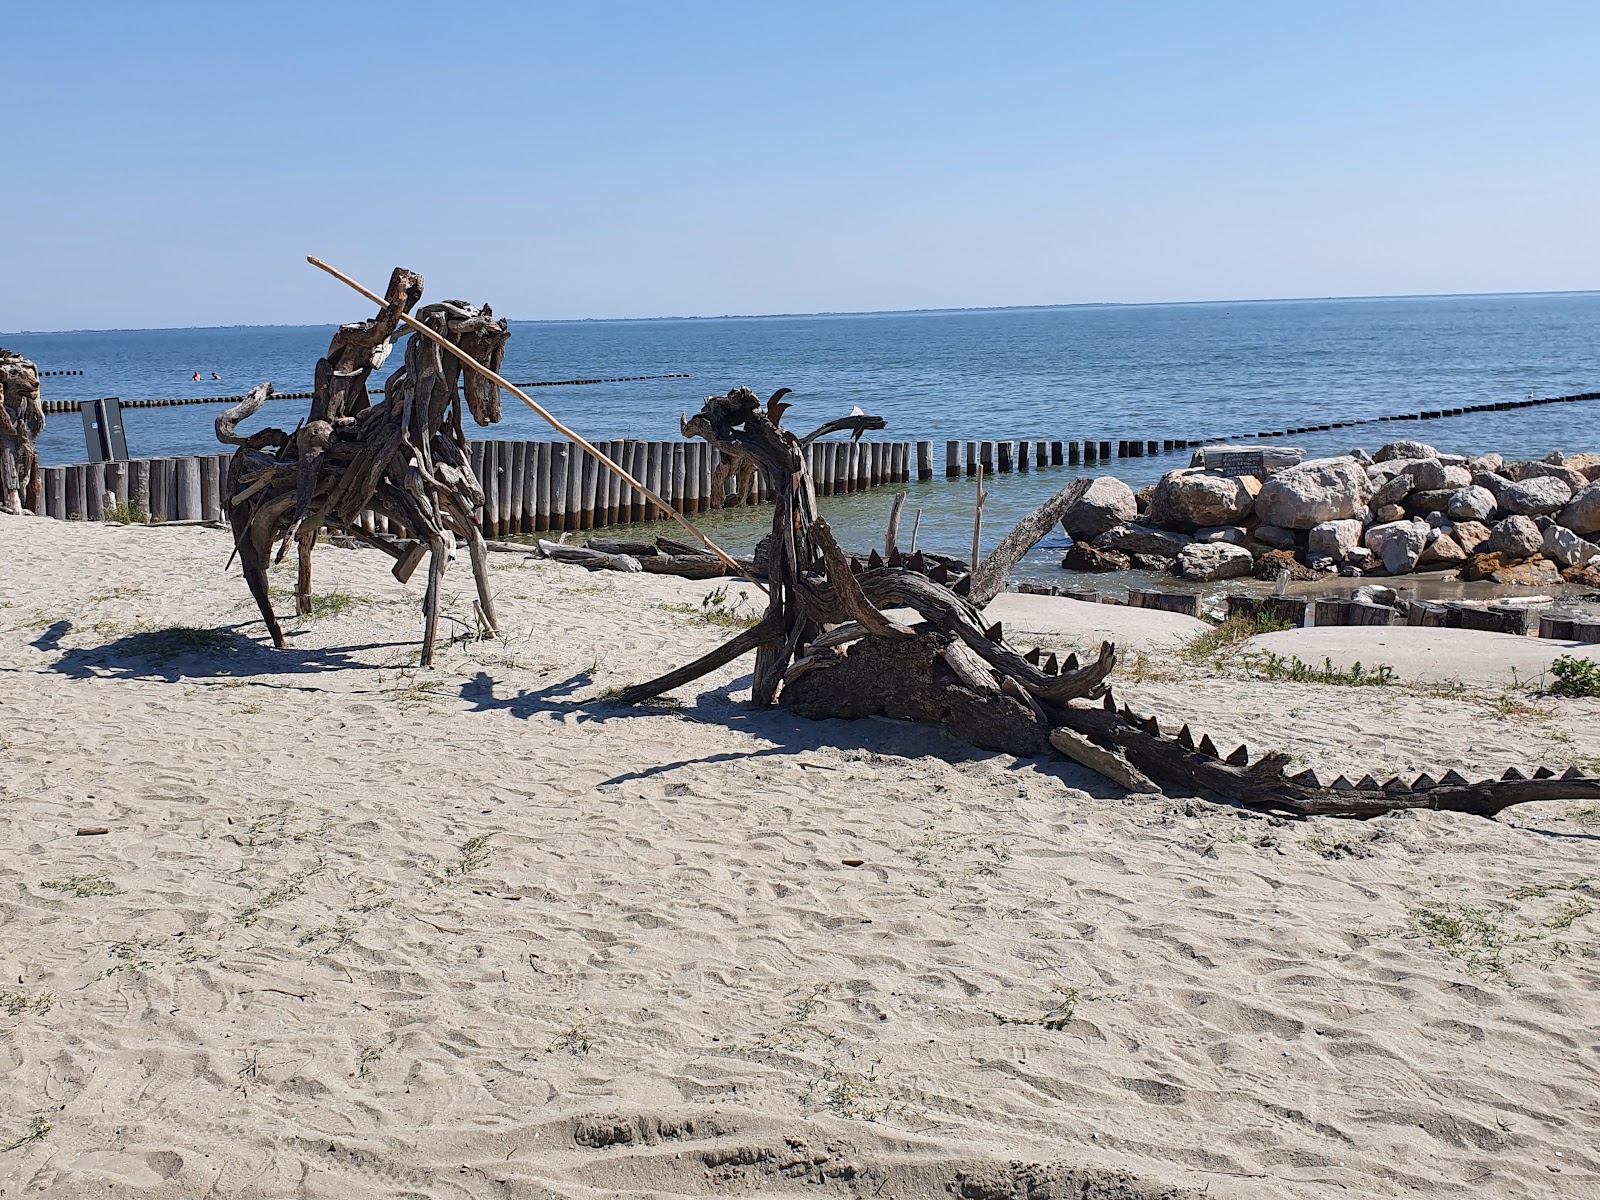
178	161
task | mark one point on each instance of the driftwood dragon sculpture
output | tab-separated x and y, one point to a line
834	642
405	458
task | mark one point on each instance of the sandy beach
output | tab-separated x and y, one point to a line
356	930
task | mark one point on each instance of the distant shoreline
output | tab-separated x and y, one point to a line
889	312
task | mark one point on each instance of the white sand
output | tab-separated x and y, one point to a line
659	976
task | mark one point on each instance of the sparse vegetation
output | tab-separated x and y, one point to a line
1296	670
323	604
83	885
38	1129
1058	1016
124	513
1574	676
574	1039
1210	645
1472	934
366	1057
417	691
715	609
18	1004
281	892
474	856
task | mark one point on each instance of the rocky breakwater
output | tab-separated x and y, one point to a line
1262	511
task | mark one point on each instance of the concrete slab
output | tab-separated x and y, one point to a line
1419	654
1055	619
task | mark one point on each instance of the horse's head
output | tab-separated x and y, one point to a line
481	335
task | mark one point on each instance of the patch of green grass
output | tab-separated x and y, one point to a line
1296	670
1058	1016
716	609
124	513
1207	646
17	1004
38	1129
475	856
1467	932
181	639
1574	676
83	885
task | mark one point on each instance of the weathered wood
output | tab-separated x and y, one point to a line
21	423
990	576
1176	761
405	458
187	481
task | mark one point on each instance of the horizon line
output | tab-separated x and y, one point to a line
882	312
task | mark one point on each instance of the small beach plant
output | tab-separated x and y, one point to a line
1574	676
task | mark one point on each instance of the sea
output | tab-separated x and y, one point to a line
1144	371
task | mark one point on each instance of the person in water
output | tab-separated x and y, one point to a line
214	375
196	377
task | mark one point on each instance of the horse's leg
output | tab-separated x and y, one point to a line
480	576
253	562
302	586
430	600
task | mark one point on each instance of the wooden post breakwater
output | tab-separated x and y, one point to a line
529	487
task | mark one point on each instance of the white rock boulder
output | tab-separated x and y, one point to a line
1320	489
1206	561
1191	499
1334	539
1536	496
1515	537
1471	503
1566	548
1582	515
1398	545
1106	504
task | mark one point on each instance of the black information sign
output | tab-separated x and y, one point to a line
1239	462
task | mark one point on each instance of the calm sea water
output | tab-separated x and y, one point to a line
1148	371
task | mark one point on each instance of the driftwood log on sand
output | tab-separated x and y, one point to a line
405	457
832	643
21	421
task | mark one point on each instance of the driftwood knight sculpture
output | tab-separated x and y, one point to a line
21	421
405	458
828	646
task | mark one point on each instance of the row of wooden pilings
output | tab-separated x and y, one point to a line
1321	611
964	458
529	487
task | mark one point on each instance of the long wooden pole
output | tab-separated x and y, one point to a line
473	364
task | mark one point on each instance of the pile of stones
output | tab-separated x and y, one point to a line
1405	508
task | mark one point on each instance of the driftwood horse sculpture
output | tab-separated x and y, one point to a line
405	458
830	646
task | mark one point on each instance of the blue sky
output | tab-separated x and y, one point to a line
606	159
